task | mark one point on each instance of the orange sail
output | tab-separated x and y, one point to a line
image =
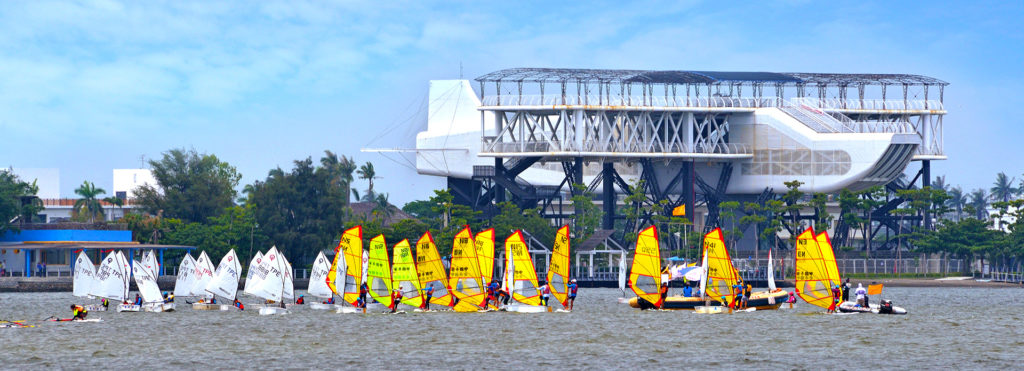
829	257
431	270
484	243
524	288
645	275
812	281
464	279
352	249
721	273
558	268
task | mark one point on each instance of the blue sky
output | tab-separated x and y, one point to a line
89	86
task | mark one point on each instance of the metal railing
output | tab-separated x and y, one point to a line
821	121
628	101
830	104
490	145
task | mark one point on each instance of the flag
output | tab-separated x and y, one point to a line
875	289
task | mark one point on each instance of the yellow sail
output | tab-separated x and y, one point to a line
558	269
403	272
484	243
352	248
431	270
721	274
812	282
378	271
464	278
525	275
645	275
829	257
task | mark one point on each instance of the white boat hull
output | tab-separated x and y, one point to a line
321	306
95	308
268	311
348	310
705	309
158	307
129	308
208	306
523	308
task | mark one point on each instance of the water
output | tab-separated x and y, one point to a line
946	328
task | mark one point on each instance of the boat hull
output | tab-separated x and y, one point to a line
851	307
208	306
321	306
130	308
268	311
158	307
762	300
95	308
523	308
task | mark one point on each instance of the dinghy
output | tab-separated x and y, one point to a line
84	280
125	277
224	282
521	277
318	279
110	281
431	271
203	273
186	277
885	307
464	277
270	273
558	268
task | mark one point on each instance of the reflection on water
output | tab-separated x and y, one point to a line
965	328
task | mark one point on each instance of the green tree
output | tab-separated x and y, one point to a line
421	209
587	216
728	217
823	219
88	207
301	211
792	199
116	201
957	201
17	201
190	186
870	200
1003	189
367	172
340	171
979	201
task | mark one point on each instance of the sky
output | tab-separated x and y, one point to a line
89	86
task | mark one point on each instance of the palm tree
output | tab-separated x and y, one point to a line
116	201
367	172
382	207
1003	189
940	183
980	202
89	204
341	169
957	200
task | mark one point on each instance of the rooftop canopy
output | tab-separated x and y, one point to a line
540	75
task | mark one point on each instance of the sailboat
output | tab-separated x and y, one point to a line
431	271
558	267
378	274
250	280
270	273
645	274
318	279
152	301
186	277
84	280
521	277
224	282
405	277
814	273
484	244
203	273
124	277
464	277
350	266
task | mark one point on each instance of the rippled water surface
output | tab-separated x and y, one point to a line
958	328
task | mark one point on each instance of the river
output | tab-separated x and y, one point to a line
946	328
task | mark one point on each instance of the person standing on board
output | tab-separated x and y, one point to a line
362	295
846	290
573	287
664	293
544	292
746	295
492	294
861	294
396	297
428	293
78	312
791	300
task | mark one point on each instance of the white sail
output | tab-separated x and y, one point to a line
149	259
203	273
85	276
109	279
126	272
771	272
366	262
146	282
269	275
250	279
622	272
289	285
340	273
225	280
318	277
186	276
704	275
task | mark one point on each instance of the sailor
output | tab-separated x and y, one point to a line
301	300
835	296
238	304
362	295
746	295
428	293
737	292
664	292
861	294
138	300
791	300
687	291
168	297
492	293
502	296
329	300
78	312
846	289
573	288
455	299
105	304
396	296
545	294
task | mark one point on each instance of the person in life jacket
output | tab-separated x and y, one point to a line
791	300
664	293
492	292
329	300
396	297
545	293
301	299
138	300
502	296
238	304
428	293
573	287
105	303
455	299
78	312
362	295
